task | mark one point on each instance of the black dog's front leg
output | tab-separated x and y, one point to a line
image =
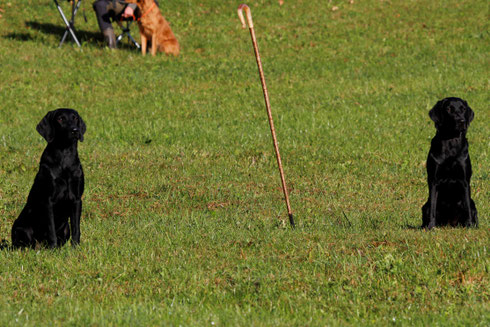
52	238
433	207
75	222
469	220
432	169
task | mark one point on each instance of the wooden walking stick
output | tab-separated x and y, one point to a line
241	8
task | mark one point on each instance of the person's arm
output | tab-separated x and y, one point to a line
129	10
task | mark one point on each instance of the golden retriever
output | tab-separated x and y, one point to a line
154	27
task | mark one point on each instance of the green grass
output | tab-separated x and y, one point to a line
184	221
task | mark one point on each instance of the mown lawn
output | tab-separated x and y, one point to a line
184	221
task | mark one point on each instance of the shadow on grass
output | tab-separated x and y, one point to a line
88	37
19	36
59	30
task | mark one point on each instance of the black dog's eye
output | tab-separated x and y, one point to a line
60	120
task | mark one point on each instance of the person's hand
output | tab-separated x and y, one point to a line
128	12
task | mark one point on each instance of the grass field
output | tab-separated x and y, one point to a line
184	221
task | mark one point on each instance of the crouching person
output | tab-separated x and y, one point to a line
108	10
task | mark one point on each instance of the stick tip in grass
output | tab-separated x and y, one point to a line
291	220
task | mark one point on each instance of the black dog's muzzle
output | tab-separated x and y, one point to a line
461	125
75	132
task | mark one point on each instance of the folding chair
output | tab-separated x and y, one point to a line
70	24
126	31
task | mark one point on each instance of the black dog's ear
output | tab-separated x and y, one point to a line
45	127
436	113
81	127
469	114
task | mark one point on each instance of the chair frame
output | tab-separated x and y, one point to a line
70	24
126	31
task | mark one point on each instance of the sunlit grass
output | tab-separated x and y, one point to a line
184	221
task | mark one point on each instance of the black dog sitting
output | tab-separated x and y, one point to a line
55	196
449	168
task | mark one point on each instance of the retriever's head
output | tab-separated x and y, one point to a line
62	125
452	115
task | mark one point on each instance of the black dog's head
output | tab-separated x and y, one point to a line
62	124
452	115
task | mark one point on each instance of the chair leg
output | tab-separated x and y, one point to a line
136	44
126	31
69	24
120	36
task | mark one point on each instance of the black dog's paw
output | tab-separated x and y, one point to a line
4	244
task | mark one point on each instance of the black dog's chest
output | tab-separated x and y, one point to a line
62	189
452	170
452	149
448	159
65	184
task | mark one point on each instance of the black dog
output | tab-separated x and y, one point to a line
55	196
449	168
